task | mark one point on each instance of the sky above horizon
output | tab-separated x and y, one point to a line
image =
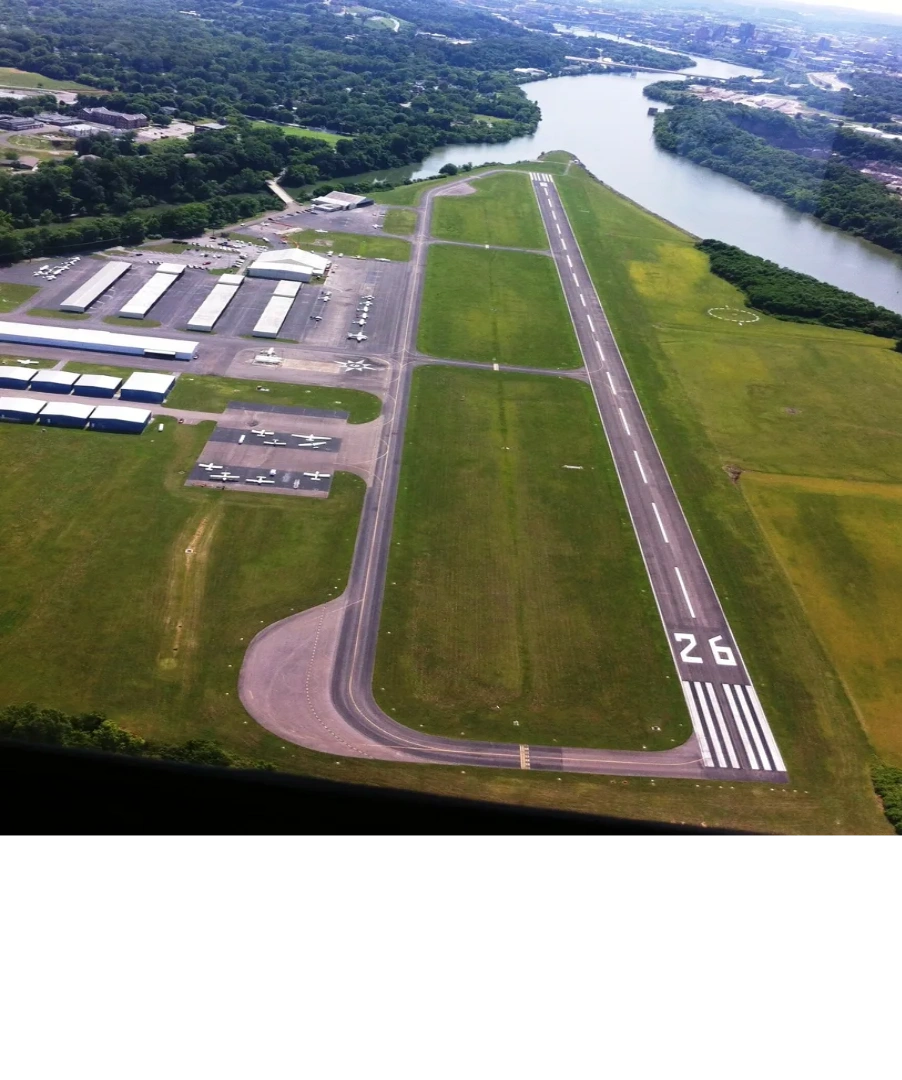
879	7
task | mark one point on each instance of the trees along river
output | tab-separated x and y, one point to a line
603	120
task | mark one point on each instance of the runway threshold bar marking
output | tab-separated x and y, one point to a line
524	757
685	591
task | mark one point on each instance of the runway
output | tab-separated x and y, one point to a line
309	678
729	723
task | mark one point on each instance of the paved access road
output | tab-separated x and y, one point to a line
309	678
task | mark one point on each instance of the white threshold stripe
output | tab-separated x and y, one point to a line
743	704
611	381
697	727
765	729
641	470
623	421
740	727
591	324
709	726
685	591
718	716
660	523
582	298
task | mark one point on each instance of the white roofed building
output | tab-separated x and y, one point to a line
20	410
119	418
65	414
15	377
289	264
50	381
97	386
146	386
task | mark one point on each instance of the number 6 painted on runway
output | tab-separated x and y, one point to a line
687	650
723	654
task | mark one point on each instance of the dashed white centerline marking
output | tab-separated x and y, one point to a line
569	262
576	283
685	592
582	298
559	230
623	421
611	383
598	346
591	324
563	245
641	470
660	523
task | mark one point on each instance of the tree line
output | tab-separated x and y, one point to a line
713	134
797	297
92	731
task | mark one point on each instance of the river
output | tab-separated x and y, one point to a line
603	120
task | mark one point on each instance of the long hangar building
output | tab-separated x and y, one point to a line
159	348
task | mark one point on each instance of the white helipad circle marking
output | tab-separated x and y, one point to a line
734	315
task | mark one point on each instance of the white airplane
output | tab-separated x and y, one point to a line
317	476
209	466
357	337
360	322
262	432
263	389
258	480
383	260
223	476
28	363
311	438
270	351
274	442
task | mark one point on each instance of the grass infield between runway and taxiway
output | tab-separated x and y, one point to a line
501	211
366	245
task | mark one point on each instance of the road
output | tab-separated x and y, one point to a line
309	678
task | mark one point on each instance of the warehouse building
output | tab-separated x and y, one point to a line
276	311
17	123
104	386
341	200
20	410
15	377
289	265
217	301
112	118
98	341
151	291
146	386
119	418
49	381
65	414
95	286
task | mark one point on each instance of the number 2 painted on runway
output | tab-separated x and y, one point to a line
723	654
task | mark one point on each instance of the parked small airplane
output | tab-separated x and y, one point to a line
28	363
274	442
357	337
262	432
209	466
317	476
312	438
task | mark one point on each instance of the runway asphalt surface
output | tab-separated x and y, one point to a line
731	740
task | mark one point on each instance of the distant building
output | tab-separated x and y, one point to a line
103	115
746	32
719	32
82	131
341	200
291	264
56	118
824	45
17	123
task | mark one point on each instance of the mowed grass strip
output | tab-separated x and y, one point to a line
504	306
502	212
13	295
103	607
703	386
366	246
839	544
517	606
399	221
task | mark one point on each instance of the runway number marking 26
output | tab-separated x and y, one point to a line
723	654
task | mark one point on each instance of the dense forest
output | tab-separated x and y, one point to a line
92	731
789	295
722	137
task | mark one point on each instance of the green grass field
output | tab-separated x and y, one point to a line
299	132
517	602
36	361
55	313
32	80
400	222
367	246
13	296
503	212
504	306
212	393
407	194
104	610
772	397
